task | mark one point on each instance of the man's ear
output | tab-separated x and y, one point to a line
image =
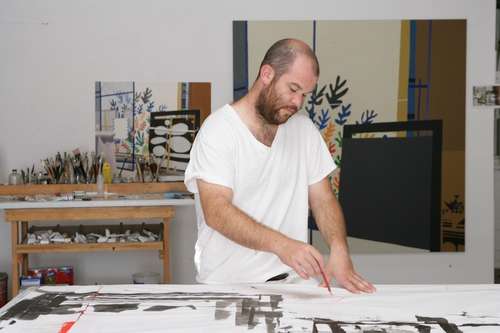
266	74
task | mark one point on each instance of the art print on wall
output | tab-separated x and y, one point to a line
171	136
124	111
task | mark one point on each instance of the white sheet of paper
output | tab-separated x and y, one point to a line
264	308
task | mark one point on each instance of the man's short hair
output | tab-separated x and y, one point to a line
283	53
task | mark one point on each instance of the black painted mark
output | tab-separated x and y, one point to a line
250	313
168	307
252	310
334	326
172	295
220	310
115	307
423	328
375	326
367	326
479	325
442	322
30	309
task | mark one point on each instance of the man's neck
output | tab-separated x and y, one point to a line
258	126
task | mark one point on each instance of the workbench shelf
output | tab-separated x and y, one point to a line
122	188
89	247
20	219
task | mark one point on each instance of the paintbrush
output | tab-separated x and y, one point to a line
325	279
159	167
48	169
142	166
138	170
153	167
121	168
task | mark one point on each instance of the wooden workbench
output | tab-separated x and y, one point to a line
144	201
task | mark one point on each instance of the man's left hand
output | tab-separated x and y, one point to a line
340	267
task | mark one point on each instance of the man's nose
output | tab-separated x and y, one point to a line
297	100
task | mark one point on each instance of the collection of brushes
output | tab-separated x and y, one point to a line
78	168
68	168
149	166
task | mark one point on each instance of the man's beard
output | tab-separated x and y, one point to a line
269	104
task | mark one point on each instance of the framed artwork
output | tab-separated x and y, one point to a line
123	115
171	135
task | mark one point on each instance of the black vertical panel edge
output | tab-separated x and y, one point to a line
436	127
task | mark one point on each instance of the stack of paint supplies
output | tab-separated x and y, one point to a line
63	275
44	237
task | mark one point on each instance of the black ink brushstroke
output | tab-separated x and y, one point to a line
115	308
334	326
363	326
30	309
220	310
168	307
442	322
479	324
250	312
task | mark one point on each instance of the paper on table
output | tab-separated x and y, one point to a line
268	308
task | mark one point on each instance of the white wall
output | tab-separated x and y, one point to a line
51	52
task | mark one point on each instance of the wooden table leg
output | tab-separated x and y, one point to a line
24	259
15	259
166	254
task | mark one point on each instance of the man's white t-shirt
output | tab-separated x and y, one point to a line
270	184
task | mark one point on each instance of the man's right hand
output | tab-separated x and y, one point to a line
302	257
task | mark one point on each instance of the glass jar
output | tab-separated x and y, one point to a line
15	178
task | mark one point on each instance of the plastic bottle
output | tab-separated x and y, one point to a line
100	184
107	173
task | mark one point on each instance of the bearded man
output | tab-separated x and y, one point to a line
256	167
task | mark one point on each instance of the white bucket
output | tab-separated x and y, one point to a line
146	278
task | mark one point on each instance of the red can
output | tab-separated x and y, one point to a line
54	275
37	272
65	275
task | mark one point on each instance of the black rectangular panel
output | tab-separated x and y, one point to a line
385	189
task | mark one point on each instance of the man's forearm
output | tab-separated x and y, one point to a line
330	221
328	216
